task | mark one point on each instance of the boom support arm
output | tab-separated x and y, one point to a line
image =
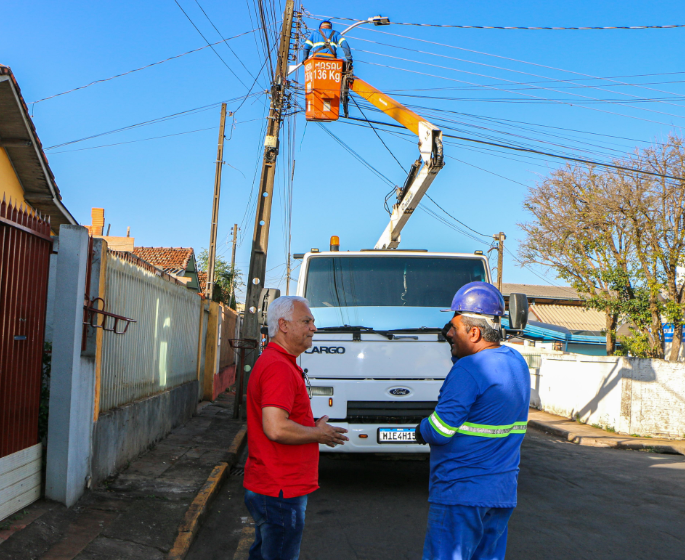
422	172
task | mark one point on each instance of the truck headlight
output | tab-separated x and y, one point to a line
322	391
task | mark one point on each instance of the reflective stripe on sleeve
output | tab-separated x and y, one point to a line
440	427
483	430
471	429
308	42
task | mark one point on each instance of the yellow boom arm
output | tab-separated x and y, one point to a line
423	171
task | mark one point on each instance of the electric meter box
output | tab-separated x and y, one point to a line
323	80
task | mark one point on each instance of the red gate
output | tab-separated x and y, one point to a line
25	247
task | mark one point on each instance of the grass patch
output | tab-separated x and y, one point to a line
609	429
7	523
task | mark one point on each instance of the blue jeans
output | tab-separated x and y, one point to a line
466	533
279	525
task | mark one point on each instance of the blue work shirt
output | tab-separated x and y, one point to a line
477	428
317	44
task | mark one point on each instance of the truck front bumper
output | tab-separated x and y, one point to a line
369	444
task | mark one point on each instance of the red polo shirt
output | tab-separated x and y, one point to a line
277	380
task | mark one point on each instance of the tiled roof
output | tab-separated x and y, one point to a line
202	280
25	151
573	318
544	292
173	260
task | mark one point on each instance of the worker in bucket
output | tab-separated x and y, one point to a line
475	434
325	41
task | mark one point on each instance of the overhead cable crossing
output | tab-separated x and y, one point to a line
531	150
515	27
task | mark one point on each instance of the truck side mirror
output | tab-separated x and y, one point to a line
518	312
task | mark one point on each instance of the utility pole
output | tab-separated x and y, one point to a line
235	241
500	237
260	237
287	276
209	288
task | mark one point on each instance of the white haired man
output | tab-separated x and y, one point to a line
283	439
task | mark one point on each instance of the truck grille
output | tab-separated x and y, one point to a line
373	412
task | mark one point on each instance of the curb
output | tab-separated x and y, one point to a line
192	521
609	441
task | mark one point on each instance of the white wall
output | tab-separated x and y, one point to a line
630	395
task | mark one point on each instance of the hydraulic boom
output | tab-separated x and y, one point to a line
423	170
327	85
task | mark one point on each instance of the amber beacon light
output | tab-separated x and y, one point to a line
335	243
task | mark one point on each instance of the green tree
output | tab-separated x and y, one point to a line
573	232
618	236
226	279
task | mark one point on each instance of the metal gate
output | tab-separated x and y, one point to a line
25	247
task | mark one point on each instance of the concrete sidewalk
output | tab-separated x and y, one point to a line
146	510
582	434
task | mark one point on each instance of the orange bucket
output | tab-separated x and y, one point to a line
322	80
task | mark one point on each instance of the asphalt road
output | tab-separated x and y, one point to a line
574	503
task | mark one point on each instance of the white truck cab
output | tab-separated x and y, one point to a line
378	358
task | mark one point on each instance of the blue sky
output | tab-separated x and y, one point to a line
518	88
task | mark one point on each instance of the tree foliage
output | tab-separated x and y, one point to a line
226	278
618	238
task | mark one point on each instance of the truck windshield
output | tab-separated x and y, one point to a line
397	281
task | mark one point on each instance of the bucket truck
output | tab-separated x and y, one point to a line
379	356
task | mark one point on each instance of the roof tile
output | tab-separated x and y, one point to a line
548	292
170	259
573	318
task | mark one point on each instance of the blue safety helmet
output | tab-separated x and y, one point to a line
328	21
479	298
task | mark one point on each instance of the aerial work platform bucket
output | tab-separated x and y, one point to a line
323	79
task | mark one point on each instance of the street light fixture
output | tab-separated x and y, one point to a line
376	20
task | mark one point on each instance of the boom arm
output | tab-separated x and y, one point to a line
424	169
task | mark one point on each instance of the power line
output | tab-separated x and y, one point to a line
141	68
557	101
406	139
358	157
519	28
220	35
586	76
455	219
530	269
134	141
151	121
505	123
210	45
548	154
637	98
378	135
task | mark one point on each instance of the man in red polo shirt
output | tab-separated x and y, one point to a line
283	440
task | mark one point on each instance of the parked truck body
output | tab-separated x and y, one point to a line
378	359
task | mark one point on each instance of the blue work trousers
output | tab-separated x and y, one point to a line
466	533
279	525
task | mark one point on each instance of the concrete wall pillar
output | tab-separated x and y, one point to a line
211	351
72	377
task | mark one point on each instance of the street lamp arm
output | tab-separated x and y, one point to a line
376	20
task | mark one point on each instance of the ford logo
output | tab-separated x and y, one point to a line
399	391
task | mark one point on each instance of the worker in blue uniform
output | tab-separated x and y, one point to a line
475	434
325	41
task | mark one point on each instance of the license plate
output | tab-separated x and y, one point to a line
396	435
